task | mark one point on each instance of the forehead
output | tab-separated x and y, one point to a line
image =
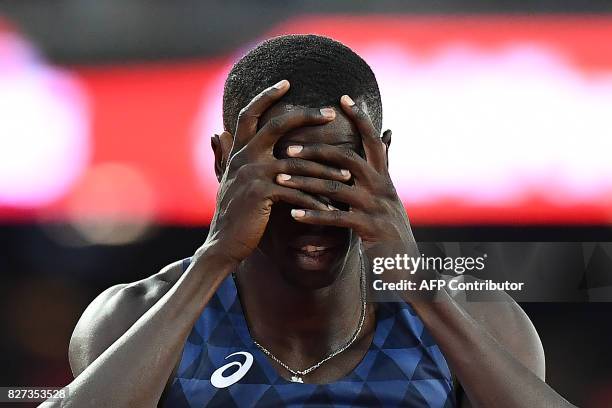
339	131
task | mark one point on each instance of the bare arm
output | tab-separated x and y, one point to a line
113	312
508	324
145	355
493	349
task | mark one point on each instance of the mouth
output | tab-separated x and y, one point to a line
313	252
313	248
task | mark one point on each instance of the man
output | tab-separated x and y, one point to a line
271	310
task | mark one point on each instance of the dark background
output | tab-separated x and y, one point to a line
46	286
51	285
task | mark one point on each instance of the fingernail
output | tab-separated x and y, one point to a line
295	149
345	173
298	213
347	100
283	177
282	84
328	113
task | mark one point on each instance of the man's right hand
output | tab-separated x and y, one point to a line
248	190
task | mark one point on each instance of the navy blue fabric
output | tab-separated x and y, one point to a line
402	368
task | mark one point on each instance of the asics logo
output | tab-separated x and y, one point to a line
219	381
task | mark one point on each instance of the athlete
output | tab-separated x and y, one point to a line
272	309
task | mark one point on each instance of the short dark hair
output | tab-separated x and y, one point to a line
319	69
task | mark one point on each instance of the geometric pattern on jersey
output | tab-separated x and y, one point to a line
403	366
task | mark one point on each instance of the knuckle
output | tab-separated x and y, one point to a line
263	96
372	204
244	172
244	114
275	124
295	164
349	154
361	114
333	186
244	111
385	188
254	189
257	170
390	188
311	114
309	200
268	93
316	148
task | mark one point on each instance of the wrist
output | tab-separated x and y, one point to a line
215	259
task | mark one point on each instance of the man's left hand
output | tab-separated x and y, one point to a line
376	213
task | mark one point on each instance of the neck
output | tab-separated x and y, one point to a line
292	321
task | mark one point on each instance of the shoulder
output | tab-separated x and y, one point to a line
506	322
113	312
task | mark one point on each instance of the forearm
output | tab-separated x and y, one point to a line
134	369
488	373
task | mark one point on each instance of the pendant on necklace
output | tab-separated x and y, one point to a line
296	379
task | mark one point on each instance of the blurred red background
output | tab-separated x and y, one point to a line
141	149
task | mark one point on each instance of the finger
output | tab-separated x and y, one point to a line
248	118
373	146
333	189
276	127
337	218
301	167
341	157
296	197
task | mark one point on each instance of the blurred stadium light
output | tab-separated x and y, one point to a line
44	130
496	120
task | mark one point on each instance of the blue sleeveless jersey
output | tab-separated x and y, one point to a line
221	367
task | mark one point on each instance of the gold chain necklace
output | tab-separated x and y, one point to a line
297	375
